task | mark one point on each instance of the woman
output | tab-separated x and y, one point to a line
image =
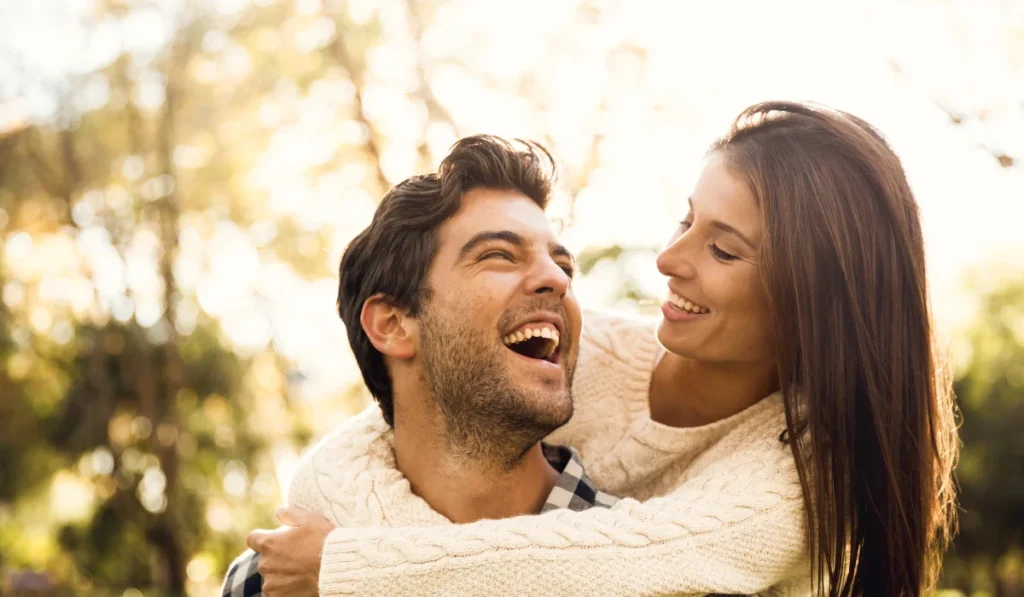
788	428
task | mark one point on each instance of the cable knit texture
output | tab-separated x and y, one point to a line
712	509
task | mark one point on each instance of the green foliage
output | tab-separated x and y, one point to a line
138	455
988	553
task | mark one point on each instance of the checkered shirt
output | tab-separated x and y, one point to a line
574	490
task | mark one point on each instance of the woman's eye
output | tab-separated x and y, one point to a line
720	254
684	226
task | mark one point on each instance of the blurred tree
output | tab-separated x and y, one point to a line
988	553
124	405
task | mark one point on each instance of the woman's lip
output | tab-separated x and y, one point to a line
673	294
674	313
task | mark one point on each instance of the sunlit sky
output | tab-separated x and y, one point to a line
657	81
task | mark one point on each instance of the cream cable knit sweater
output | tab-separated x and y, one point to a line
714	509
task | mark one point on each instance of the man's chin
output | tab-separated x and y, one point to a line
544	387
543	390
551	409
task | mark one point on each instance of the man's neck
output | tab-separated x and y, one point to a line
465	488
689	393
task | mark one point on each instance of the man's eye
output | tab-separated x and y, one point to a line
569	271
496	254
684	226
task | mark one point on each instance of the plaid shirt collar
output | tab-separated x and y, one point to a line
573	490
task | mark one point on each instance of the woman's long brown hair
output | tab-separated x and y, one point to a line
869	406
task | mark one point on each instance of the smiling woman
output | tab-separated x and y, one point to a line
868	402
712	263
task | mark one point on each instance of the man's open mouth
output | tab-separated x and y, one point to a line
536	341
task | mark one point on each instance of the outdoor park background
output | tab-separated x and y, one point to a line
178	179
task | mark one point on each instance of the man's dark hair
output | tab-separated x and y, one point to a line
392	255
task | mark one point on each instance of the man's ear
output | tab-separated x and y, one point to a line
389	328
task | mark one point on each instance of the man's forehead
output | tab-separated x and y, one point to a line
496	209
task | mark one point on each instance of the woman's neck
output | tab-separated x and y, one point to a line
689	393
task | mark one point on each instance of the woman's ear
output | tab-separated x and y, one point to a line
389	328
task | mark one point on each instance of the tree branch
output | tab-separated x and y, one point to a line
343	58
435	109
46	177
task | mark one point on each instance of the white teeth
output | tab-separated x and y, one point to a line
685	304
544	332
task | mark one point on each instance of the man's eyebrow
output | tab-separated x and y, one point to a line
560	251
727	228
491	235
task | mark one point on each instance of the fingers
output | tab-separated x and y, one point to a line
297	517
289	556
257	539
285	516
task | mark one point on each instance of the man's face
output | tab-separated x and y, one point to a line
500	277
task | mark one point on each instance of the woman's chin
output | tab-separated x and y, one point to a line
676	341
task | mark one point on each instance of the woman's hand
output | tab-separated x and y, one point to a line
290	555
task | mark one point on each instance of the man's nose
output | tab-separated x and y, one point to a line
548	277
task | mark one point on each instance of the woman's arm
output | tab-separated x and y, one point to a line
735	531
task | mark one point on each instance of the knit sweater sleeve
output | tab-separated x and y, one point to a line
735	528
303	490
334	478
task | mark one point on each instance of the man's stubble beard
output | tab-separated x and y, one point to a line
487	418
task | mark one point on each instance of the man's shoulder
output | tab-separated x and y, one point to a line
335	476
361	433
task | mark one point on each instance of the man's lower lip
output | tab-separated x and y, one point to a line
545	363
673	313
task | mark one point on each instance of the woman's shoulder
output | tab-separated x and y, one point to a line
617	354
627	338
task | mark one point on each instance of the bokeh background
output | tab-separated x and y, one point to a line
178	179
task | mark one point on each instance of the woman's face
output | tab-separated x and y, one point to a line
717	308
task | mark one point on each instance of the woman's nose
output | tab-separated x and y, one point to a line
676	260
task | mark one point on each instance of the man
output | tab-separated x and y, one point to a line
459	308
